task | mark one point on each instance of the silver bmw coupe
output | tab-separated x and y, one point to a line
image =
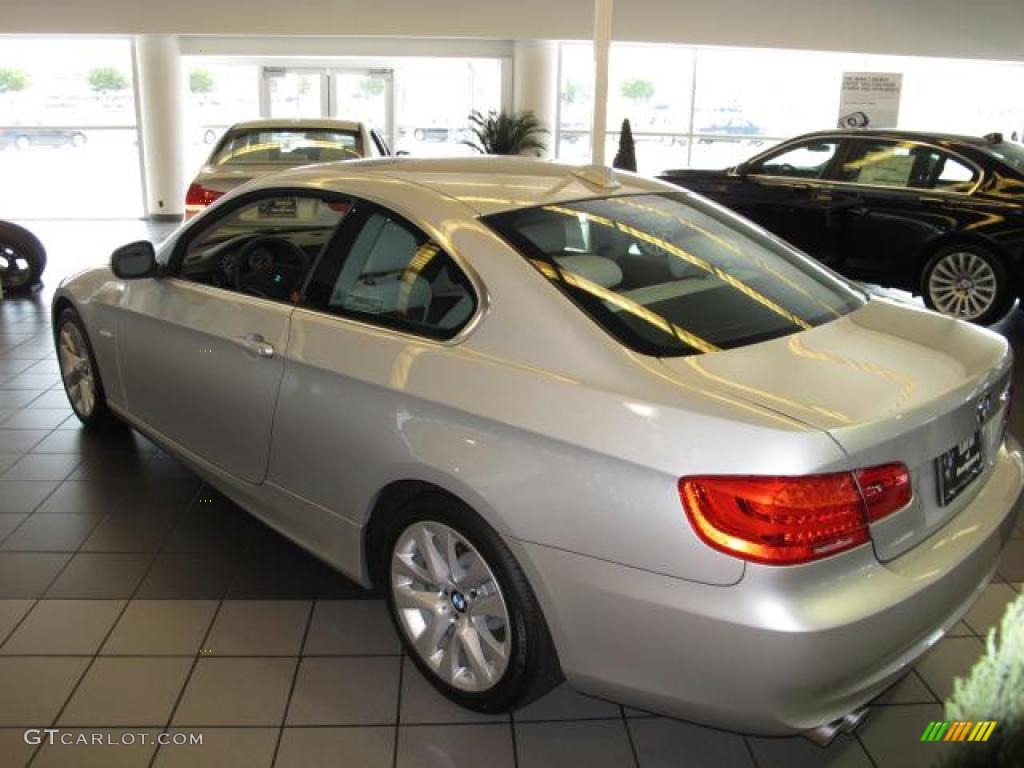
571	423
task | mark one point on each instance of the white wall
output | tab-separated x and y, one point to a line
989	29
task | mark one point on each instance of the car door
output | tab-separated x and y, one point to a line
380	308
892	198
202	348
779	192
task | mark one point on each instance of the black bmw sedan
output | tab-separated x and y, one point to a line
939	215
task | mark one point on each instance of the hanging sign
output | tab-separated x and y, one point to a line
870	99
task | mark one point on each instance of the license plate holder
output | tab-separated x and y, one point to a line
958	467
279	208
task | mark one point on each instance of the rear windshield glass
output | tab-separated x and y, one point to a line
670	275
287	147
1013	154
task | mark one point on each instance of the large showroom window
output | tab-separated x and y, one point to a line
219	94
707	107
67	113
428	119
433	119
649	84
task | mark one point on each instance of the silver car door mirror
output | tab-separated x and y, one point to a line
134	260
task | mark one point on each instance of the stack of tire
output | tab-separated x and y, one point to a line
22	260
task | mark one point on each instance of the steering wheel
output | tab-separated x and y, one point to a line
270	266
787	168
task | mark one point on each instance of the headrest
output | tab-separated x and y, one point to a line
596	269
392	250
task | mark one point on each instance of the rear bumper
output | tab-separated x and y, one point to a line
785	649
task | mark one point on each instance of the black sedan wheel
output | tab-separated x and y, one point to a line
968	282
22	259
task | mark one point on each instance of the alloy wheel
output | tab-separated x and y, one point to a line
450	606
75	369
963	284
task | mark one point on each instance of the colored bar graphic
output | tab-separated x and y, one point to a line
959	730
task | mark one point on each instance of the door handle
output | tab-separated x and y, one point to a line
256	344
929	199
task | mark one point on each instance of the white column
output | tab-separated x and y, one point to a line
602	41
161	111
535	85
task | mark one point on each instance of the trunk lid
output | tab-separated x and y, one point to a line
224	178
889	383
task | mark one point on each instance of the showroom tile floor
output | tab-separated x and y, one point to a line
134	598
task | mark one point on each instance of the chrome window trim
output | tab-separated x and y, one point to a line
846	136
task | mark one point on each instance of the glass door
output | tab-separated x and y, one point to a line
288	92
366	95
363	95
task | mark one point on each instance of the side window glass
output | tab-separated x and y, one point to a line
913	166
879	164
805	161
265	248
950	174
396	276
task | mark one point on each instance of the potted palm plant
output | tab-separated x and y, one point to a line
505	133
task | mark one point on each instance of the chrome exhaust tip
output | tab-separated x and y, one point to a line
824	734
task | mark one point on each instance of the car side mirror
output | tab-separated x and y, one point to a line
134	260
741	170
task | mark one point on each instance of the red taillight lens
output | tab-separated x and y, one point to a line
790	520
885	489
198	197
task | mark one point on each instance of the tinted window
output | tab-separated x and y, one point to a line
668	275
287	147
265	248
1013	154
805	161
904	164
394	275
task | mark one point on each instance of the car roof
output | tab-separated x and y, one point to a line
885	133
297	123
487	184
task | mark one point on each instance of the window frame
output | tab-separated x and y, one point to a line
203	223
851	142
326	273
378	141
755	163
847	140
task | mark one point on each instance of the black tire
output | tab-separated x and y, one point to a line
532	668
946	258
100	417
17	246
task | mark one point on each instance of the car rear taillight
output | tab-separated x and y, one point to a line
198	197
790	520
